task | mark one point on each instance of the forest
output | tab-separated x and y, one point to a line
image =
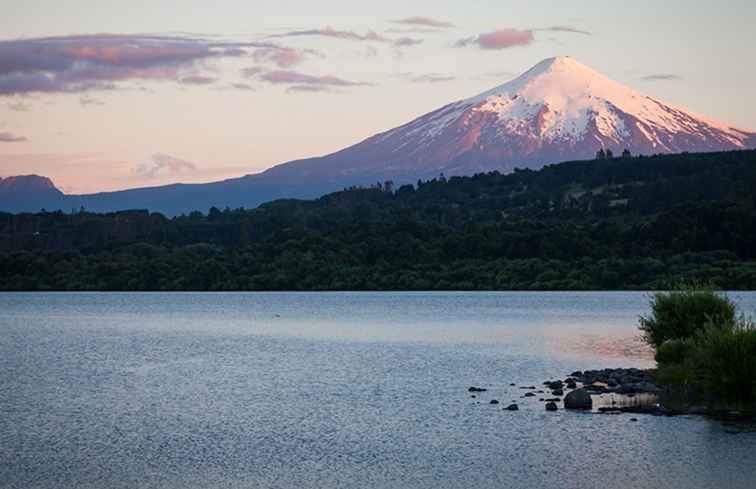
645	222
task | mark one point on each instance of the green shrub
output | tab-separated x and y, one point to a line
673	352
726	358
681	314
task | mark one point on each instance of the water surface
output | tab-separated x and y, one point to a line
332	390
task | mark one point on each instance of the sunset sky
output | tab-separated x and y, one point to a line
102	97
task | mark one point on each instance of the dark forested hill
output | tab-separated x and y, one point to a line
625	223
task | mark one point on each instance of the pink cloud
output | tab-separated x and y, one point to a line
501	39
7	137
423	21
301	79
281	57
79	63
337	34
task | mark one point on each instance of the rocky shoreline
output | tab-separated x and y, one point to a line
620	391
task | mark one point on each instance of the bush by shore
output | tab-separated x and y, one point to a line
701	343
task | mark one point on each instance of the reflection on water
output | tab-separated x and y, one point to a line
332	390
620	346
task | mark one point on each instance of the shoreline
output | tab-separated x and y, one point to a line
637	391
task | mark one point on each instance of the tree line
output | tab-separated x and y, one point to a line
613	223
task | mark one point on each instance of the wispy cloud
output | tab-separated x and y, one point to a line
564	28
197	80
501	39
295	78
336	34
424	22
86	101
281	57
252	71
162	164
405	42
426	77
662	77
309	89
90	62
242	86
8	137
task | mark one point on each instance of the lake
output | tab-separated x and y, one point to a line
334	390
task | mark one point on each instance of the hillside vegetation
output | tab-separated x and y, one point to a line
623	223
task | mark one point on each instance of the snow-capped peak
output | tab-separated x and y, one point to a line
558	110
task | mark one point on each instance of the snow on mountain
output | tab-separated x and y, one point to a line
558	110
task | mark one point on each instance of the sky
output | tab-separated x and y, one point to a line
108	95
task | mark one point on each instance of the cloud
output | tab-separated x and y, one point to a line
281	57
405	42
19	106
90	101
162	164
7	137
426	78
309	89
423	21
197	80
662	77
501	39
564	28
295	78
69	64
252	71
242	86
336	34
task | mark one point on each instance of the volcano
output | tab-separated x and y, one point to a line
559	110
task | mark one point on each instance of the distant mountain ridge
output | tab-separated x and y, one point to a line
29	192
559	110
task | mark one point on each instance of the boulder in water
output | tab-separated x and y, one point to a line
578	399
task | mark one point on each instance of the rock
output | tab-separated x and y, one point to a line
557	392
555	384
476	389
609	410
494	401
512	384
571	384
578	399
577	373
556	399
474	396
551	406
512	407
529	394
647	387
634	420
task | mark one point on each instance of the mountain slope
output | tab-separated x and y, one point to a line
558	110
29	192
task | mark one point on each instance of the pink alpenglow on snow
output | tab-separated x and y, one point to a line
558	110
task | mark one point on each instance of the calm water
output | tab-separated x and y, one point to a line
333	390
